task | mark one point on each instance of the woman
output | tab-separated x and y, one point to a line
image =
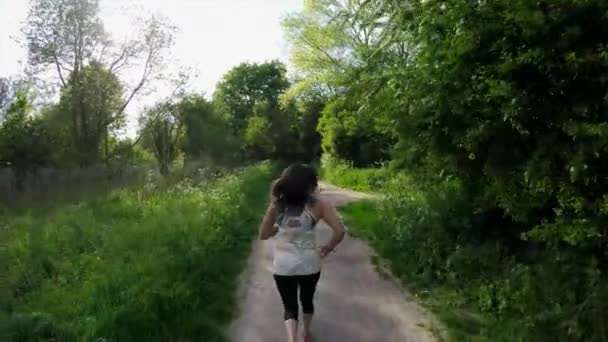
291	219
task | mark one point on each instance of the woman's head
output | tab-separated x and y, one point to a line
295	186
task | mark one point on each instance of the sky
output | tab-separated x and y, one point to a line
213	35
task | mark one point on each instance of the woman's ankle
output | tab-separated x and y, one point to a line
307	322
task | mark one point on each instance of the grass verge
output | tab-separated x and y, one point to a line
136	265
361	179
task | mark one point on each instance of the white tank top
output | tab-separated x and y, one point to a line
295	243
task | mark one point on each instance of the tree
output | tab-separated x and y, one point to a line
162	130
332	38
244	86
304	107
331	42
25	145
9	88
512	108
90	104
68	37
206	135
353	135
258	139
271	133
270	121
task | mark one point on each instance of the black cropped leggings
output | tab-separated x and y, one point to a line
288	289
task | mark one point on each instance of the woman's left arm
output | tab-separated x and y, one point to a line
330	216
267	229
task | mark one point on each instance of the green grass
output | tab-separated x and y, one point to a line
136	265
360	179
360	218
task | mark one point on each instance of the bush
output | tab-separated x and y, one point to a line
349	134
483	288
151	264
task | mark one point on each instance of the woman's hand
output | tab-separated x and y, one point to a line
325	250
330	216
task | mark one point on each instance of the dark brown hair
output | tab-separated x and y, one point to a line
295	186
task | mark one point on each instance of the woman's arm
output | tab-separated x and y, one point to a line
330	216
267	229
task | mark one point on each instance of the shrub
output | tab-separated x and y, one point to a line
426	233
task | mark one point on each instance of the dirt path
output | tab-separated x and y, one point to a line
353	302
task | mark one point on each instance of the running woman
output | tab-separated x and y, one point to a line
290	220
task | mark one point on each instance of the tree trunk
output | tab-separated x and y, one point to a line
164	168
20	176
107	153
107	148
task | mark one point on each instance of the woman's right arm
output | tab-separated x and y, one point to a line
267	229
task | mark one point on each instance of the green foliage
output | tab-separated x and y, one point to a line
482	287
503	95
257	137
330	41
162	130
67	38
9	88
206	133
245	85
249	97
152	264
63	32
127	152
309	112
329	38
273	133
351	135
25	143
188	128
266	121
499	110
303	107
512	109
90	105
65	153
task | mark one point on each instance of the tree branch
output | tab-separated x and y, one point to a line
117	60
319	49
103	51
58	66
142	81
125	55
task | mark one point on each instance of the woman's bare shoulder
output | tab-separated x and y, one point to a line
318	206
